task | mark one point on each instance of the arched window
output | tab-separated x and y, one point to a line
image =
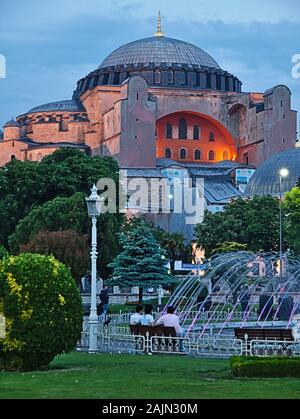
168	153
197	155
39	157
169	131
182	129
157	76
170	76
212	136
211	155
246	158
182	154
225	155
196	132
12	157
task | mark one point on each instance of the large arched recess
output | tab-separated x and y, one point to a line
223	143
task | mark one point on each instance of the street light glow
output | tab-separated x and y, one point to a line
284	172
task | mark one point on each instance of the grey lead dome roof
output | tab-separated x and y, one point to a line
62	106
265	181
159	50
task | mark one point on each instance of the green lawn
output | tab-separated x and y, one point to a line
126	376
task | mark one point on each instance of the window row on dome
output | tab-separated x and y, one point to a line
197	154
165	77
183	131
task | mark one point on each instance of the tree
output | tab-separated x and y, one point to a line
172	243
58	214
43	311
174	246
69	247
70	213
3	252
229	247
27	185
141	263
253	222
291	206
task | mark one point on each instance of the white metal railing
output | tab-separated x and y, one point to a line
219	347
267	348
170	345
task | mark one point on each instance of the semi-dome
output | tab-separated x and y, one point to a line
61	106
11	123
157	50
265	181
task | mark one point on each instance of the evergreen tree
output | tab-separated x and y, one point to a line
141	263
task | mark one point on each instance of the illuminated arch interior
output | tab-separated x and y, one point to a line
209	136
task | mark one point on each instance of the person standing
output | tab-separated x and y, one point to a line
104	298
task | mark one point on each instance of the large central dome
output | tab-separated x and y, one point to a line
158	50
163	62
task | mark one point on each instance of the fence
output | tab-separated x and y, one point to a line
117	339
265	348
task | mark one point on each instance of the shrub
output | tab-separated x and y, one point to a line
272	367
69	247
42	307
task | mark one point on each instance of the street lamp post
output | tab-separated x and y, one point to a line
94	204
283	173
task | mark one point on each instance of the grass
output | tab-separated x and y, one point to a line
81	376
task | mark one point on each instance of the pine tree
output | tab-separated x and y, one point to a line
141	262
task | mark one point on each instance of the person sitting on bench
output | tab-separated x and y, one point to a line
136	317
171	320
147	319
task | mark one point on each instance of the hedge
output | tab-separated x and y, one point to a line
260	367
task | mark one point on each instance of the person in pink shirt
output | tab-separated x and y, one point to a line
171	320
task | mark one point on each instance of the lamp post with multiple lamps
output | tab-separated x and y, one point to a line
283	173
94	205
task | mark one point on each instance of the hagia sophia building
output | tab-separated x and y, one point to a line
161	105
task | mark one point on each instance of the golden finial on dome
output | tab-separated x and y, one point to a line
159	31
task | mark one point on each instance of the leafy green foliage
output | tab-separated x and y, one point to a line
55	215
291	206
43	311
3	252
49	196
27	185
141	262
253	222
273	367
69	247
229	247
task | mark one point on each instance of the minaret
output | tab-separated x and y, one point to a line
159	31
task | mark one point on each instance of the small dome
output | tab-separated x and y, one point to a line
62	106
265	181
158	50
11	123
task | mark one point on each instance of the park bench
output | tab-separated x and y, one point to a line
264	334
249	336
156	331
138	330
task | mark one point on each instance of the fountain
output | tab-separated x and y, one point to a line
239	290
